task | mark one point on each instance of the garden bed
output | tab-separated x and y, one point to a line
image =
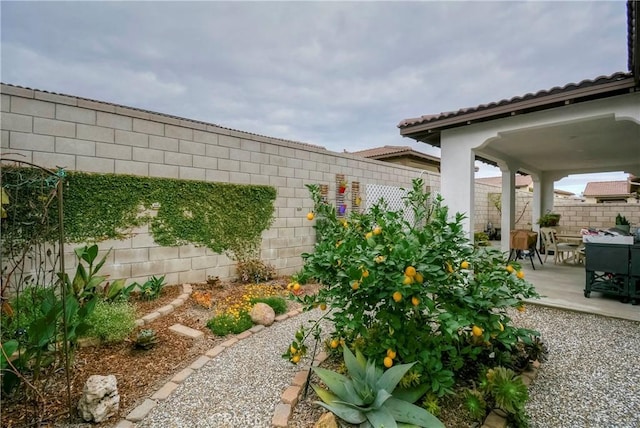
139	373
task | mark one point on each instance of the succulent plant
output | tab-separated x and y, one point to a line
507	389
146	339
369	396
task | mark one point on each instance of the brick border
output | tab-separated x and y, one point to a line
142	410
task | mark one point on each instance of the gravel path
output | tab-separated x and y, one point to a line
591	379
240	387
592	376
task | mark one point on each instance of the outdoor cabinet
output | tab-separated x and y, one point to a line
634	279
607	269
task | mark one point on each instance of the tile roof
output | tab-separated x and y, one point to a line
521	181
165	115
583	86
394	151
606	188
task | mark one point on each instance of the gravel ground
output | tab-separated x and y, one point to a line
592	376
240	387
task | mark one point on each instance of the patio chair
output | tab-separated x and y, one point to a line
559	248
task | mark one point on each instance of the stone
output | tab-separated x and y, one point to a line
262	314
100	399
327	420
281	416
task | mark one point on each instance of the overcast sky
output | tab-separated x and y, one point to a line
336	74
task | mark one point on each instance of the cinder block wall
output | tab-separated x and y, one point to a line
53	130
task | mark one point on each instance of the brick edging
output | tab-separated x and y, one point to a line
142	410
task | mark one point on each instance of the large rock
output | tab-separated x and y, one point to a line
100	399
262	314
327	420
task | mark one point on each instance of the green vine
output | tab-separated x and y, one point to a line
222	217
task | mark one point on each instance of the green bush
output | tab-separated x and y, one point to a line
278	304
112	322
224	324
25	309
419	291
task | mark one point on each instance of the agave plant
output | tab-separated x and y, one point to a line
369	397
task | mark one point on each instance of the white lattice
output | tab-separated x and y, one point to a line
393	196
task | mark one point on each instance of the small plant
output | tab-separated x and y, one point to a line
549	219
255	270
203	298
146	339
224	323
622	220
475	403
481	239
277	303
112	322
86	281
152	288
369	397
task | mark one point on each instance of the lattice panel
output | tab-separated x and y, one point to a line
392	196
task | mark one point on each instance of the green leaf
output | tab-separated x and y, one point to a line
324	395
390	378
403	411
410	395
381	418
355	368
9	347
335	382
346	413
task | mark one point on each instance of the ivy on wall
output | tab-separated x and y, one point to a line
223	217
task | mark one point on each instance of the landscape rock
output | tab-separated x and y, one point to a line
100	399
327	420
262	314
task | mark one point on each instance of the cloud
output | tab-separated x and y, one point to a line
337	74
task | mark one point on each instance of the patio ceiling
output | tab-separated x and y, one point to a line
594	145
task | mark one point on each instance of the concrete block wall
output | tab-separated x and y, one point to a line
486	211
577	215
53	130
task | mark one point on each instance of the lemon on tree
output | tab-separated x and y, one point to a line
310	216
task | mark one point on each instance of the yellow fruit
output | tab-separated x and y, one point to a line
365	273
520	274
415	301
338	244
521	308
477	331
449	267
379	259
391	353
334	343
310	216
388	362
368	235
296	286
418	278
323	307
293	349
355	285
290	286
339	262
464	265
295	359
410	271
377	230
500	326
407	280
397	296
509	269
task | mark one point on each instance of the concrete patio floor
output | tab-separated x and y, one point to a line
563	287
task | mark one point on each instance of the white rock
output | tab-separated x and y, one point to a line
100	399
262	314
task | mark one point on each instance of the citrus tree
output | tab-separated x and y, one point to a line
420	292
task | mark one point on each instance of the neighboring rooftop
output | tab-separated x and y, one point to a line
607	188
403	155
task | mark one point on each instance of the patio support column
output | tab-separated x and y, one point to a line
547	180
536	207
457	178
508	199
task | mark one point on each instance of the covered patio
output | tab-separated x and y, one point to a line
562	286
586	127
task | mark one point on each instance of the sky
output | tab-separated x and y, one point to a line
341	75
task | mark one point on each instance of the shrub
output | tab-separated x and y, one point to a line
254	270
419	289
224	323
278	304
112	321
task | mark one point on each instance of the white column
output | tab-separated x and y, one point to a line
457	180
536	208
507	221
